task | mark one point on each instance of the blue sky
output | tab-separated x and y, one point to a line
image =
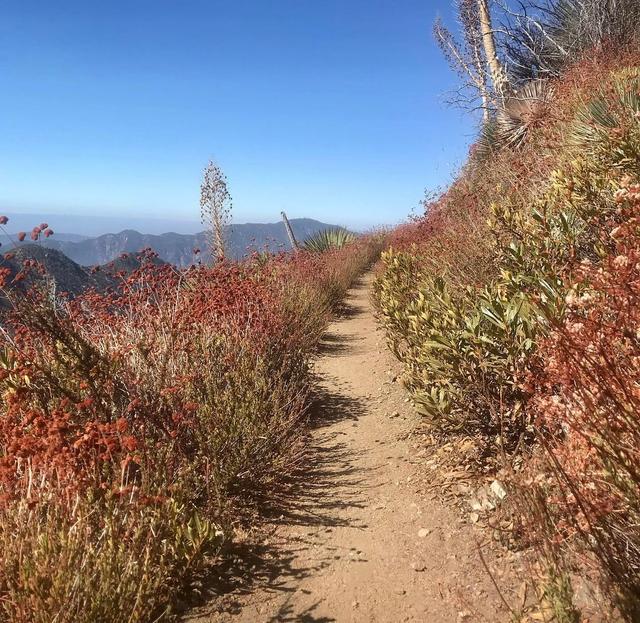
330	110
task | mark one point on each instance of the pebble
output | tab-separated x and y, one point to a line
423	532
498	490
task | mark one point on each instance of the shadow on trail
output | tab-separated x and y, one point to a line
288	614
329	407
345	309
328	466
314	499
336	344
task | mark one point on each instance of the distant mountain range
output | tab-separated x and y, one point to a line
178	249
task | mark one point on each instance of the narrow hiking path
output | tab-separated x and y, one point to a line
364	542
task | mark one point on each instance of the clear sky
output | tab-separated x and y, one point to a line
328	109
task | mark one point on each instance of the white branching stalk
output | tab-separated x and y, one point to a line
475	58
215	208
466	57
497	71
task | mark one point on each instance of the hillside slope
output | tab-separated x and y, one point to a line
513	305
68	276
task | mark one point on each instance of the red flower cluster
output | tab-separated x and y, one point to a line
39	230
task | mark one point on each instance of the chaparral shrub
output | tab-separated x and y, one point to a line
138	425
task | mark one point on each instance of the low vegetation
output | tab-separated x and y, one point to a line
512	303
141	424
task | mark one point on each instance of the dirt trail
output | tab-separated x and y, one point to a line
364	543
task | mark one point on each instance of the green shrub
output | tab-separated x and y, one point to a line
461	353
75	561
464	347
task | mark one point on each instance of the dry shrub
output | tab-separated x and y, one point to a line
140	424
76	560
587	400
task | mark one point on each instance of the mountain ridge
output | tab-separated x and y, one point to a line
178	249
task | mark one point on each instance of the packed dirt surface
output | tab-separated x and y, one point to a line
367	540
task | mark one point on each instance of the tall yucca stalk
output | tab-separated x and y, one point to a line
328	239
215	208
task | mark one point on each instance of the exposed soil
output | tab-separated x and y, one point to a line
367	540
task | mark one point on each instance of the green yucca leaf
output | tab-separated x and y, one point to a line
512	122
328	239
607	111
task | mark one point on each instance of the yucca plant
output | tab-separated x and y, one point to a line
578	25
488	143
607	126
328	239
520	112
543	37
